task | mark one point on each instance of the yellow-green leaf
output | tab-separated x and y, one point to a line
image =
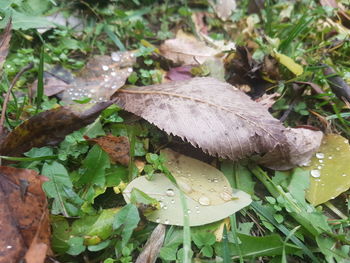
329	170
288	63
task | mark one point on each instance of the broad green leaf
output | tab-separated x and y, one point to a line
329	170
171	213
258	246
56	186
95	163
99	225
76	246
127	219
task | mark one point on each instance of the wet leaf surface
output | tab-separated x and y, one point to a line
186	49
329	170
117	147
101	78
49	127
24	219
208	194
208	113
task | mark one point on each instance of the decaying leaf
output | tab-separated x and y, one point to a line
116	147
337	84
179	73
329	170
49	127
151	250
300	147
101	78
24	218
186	49
224	8
210	114
208	194
4	43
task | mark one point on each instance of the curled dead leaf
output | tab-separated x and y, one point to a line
4	43
209	113
49	127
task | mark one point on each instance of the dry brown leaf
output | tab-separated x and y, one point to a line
5	43
101	78
151	250
302	144
24	218
116	147
210	114
186	49
49	127
224	8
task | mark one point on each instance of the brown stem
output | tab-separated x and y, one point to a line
7	97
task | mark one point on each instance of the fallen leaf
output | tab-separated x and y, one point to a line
116	147
207	181
5	43
52	85
224	8
171	212
24	218
179	73
300	147
336	83
101	78
49	127
153	245
210	114
288	63
329	170
186	49
244	70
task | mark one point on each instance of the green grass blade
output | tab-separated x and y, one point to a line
114	38
40	86
187	255
29	159
225	249
259	209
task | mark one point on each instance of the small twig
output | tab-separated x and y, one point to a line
7	97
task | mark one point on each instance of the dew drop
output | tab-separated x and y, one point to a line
346	141
105	68
170	192
114	87
211	190
320	161
130	70
161	204
197	207
203	200
216	180
115	57
158	220
166	221
225	196
344	175
320	155
165	207
8	247
330	157
172	201
319	167
338	149
113	74
76	94
315	173
189	211
197	211
317	180
92	91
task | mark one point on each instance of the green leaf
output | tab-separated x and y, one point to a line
329	170
55	187
95	163
269	245
127	220
203	238
76	246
